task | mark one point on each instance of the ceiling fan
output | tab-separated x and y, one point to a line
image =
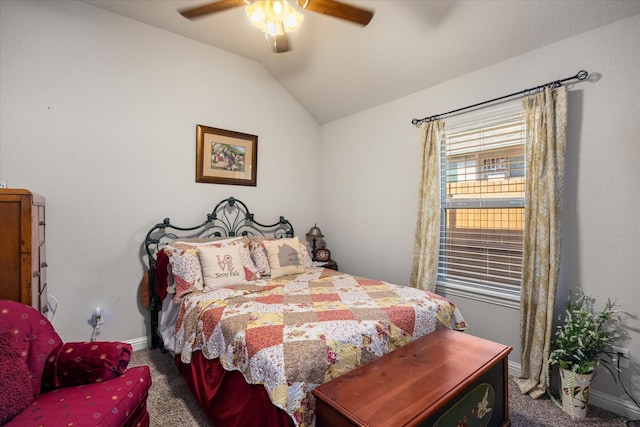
278	17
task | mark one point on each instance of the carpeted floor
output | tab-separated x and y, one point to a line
170	402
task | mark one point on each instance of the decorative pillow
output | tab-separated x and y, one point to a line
285	256
187	270
15	386
260	259
250	270
221	266
306	254
259	255
79	363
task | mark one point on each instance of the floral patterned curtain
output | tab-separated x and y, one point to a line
427	238
546	119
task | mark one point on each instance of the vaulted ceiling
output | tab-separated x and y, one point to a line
337	68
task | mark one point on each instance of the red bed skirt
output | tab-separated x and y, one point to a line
226	398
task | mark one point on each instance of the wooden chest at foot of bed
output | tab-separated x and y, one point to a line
444	379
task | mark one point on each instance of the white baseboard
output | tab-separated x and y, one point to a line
514	368
614	404
596	398
139	343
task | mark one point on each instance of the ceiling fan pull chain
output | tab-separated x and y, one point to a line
304	6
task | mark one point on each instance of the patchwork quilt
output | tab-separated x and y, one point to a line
293	333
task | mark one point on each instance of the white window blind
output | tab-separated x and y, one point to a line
482	201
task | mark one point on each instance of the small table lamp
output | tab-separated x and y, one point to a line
313	235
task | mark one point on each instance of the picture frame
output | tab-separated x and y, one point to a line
226	157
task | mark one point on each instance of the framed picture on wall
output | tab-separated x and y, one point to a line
226	157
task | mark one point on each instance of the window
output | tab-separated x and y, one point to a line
482	204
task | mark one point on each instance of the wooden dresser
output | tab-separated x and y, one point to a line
23	264
444	379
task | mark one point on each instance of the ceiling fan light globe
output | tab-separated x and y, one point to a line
277	6
258	19
275	10
292	21
256	14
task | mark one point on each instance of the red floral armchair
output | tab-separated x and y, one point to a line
45	382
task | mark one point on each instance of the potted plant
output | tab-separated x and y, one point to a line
585	334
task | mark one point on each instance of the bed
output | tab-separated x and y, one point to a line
255	325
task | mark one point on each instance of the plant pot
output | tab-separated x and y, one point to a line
575	392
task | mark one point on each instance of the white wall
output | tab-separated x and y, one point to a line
99	114
371	166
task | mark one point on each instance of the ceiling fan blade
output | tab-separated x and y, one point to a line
279	43
338	10
208	8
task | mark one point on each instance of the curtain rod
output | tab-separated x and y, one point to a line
582	74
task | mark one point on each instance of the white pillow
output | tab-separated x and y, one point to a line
221	266
285	256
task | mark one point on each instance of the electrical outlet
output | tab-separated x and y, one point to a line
622	354
98	318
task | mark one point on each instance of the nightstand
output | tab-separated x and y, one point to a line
331	264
